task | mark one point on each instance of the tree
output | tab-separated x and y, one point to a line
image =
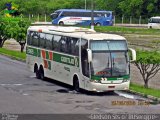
13	28
3	31
148	63
21	32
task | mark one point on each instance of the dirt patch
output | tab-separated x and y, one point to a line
12	45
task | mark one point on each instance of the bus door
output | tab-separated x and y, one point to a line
84	62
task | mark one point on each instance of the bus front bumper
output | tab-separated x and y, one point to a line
99	87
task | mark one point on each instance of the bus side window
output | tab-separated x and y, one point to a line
62	44
68	45
75	46
49	38
42	40
29	37
35	39
56	46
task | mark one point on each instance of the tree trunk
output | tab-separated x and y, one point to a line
2	42
146	84
22	47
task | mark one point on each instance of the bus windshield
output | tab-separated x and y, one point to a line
55	14
154	20
110	58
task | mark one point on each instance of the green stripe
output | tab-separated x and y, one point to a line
68	60
31	51
39	53
49	65
110	79
47	55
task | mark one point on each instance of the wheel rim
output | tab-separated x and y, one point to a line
61	23
98	24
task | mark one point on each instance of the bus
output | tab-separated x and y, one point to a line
154	22
81	17
80	57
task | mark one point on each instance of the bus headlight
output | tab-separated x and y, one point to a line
95	81
125	80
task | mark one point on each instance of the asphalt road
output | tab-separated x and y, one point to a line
22	93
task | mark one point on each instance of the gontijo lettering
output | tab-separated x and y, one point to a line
67	60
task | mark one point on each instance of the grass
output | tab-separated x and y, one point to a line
125	30
146	91
13	54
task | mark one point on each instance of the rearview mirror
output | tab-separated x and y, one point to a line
89	51
133	55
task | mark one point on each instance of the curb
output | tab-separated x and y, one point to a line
154	99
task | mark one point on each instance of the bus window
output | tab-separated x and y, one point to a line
35	39
42	40
62	44
49	41
74	46
57	38
29	37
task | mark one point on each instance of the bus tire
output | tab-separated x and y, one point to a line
36	71
41	72
98	24
150	27
61	23
76	84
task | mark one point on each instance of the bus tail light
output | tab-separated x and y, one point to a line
40	30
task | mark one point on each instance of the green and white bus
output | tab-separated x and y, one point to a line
80	57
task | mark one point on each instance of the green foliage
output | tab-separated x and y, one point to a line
13	28
148	63
146	91
148	57
115	29
135	8
14	54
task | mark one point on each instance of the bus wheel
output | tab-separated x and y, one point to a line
98	24
41	72
76	85
150	27
36	71
37	74
61	23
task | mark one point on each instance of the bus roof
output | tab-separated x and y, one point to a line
78	32
156	17
82	10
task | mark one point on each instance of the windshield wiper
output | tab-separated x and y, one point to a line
113	62
108	62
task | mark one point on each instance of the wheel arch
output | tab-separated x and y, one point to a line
75	77
35	67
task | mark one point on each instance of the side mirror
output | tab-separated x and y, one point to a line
133	55
89	51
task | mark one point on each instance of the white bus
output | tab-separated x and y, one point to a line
80	57
154	22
